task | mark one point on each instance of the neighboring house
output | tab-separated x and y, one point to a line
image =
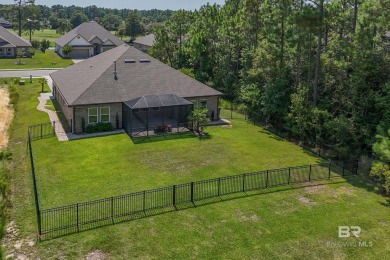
144	43
100	88
10	43
87	40
5	23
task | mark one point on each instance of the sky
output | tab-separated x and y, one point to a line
130	4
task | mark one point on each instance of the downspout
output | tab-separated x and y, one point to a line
73	120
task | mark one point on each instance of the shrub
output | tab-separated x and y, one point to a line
99	127
5	155
13	94
35	43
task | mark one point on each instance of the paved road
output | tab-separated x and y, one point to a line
25	73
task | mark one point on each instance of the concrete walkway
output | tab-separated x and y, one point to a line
60	132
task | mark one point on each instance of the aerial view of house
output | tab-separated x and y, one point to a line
221	129
87	40
10	43
144	43
97	89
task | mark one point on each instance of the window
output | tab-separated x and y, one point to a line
92	115
104	114
195	102
203	104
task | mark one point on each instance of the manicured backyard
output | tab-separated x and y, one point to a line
49	59
281	223
48	34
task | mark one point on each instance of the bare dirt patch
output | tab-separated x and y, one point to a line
246	217
307	201
316	189
6	115
97	255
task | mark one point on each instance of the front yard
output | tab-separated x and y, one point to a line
284	223
49	59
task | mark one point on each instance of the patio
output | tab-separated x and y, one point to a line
156	115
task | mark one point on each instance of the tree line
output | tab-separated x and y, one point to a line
319	70
26	16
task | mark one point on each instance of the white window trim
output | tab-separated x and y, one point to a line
200	101
109	114
97	115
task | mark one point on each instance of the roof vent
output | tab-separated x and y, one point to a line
144	60
130	61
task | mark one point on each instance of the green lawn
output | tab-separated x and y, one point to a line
39	60
94	168
48	34
297	222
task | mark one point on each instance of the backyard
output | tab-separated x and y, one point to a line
294	222
48	34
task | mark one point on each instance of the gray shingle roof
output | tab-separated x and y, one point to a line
92	81
147	40
88	31
13	39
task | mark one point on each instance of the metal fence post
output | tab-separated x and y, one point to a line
192	192
219	187
266	183
144	202
289	175
77	217
174	195
243	182
112	210
310	172
41	130
54	127
343	167
330	165
357	167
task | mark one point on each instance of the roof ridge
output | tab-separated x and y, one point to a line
177	102
76	99
159	97
145	101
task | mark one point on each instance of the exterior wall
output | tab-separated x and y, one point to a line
82	112
59	50
97	41
8	52
68	111
141	47
78	40
212	105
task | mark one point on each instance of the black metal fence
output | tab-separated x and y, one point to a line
59	221
92	214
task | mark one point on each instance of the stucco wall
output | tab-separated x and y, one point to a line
82	112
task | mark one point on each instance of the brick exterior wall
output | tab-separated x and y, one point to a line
82	112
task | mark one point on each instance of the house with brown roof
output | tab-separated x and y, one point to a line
130	90
87	40
10	43
144	43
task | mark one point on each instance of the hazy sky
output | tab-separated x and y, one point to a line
130	4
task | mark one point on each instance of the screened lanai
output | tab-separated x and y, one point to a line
156	114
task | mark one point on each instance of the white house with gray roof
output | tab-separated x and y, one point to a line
87	40
10	43
99	89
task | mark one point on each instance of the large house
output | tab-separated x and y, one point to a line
130	90
144	43
87	40
10	44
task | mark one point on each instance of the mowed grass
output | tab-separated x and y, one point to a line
297	222
49	59
48	34
81	170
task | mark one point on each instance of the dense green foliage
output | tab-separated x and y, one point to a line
64	18
99	127
381	168
320	71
